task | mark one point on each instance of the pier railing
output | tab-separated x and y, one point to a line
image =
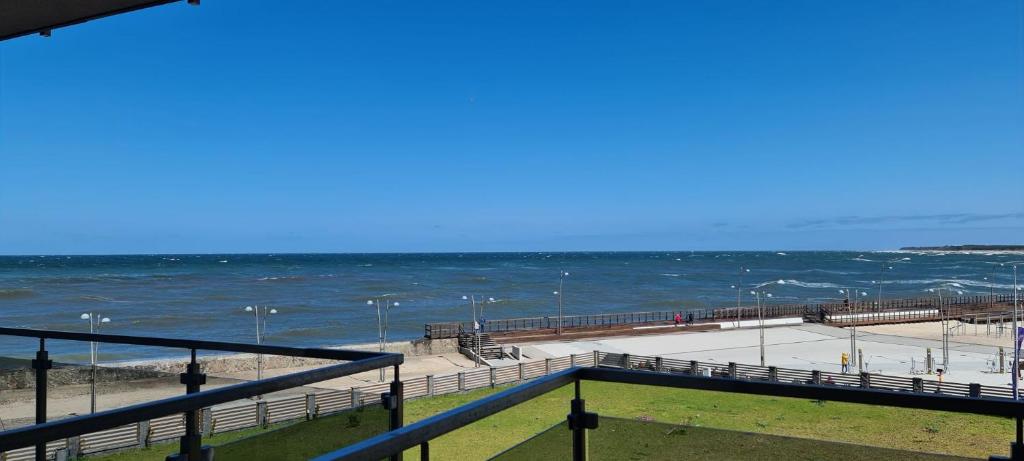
825	312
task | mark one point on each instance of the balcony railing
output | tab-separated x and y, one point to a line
195	400
580	421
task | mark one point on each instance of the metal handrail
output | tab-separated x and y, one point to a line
43	432
388	443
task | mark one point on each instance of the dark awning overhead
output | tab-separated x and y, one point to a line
23	17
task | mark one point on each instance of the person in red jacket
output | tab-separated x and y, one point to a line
678	318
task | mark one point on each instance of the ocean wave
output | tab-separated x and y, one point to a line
863	260
222	297
16	293
94	298
105	278
803	284
826	271
672	275
958	283
284	278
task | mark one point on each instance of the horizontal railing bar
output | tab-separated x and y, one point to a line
395	441
41	433
991	406
319	353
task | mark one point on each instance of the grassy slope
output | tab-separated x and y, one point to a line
903	429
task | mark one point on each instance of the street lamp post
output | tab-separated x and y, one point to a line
1016	339
561	279
758	294
382	325
992	284
261	332
881	278
477	326
1016	333
944	321
760	318
850	301
95	321
739	290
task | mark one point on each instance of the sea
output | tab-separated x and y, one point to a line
321	299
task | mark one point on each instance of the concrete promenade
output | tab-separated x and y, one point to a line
807	347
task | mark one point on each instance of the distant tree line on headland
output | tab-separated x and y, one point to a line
968	248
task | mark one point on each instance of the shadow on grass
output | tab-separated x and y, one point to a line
623	439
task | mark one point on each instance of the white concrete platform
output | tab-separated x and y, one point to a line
807	347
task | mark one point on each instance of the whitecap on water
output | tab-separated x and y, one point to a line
810	284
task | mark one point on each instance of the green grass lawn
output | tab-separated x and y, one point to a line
886	427
622	439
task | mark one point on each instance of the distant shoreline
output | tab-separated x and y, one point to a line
1014	248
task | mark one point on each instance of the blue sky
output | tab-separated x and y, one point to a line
243	126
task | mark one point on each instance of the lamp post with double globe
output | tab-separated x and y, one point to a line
382	325
739	291
561	280
95	321
944	316
260	315
759	292
886	265
477	321
851	295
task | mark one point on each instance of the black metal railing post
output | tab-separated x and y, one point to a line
425	451
41	363
396	407
191	443
579	422
1017	448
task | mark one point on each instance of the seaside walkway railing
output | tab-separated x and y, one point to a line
838	313
580	421
195	400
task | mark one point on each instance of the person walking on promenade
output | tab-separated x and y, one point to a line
678	318
844	360
689	318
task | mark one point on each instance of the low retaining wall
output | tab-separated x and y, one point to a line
767	322
24	378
